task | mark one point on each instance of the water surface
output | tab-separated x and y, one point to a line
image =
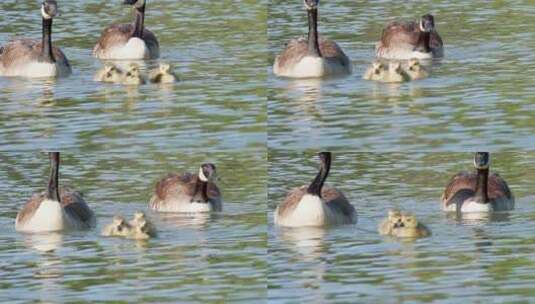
212	258
465	260
480	94
217	52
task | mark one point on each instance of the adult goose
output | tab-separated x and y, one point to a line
187	192
55	209
313	57
315	204
34	58
406	40
128	41
478	191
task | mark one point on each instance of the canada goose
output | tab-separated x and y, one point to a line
128	41
405	40
312	57
55	209
188	192
377	71
110	73
410	227
478	191
33	58
415	70
133	76
315	205
163	74
390	222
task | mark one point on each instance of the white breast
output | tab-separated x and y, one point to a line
307	67
310	211
402	54
470	206
35	69
48	217
134	49
185	206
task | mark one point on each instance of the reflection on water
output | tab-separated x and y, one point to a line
215	105
480	94
472	258
195	258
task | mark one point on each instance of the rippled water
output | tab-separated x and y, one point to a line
216	50
481	94
194	259
465	260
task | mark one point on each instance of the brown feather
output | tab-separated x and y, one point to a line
297	49
72	202
119	34
24	50
332	197
497	187
185	184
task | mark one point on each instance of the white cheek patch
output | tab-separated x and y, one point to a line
202	177
422	26
44	14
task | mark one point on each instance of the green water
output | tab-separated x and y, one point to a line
488	258
479	95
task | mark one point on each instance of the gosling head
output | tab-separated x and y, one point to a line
49	9
427	23
482	160
414	64
409	221
207	173
394	217
378	67
165	68
133	75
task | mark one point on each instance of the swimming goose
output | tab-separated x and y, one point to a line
478	191
33	58
128	41
188	192
55	209
316	204
163	74
405	40
312	57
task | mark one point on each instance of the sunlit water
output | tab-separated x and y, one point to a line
217	52
480	94
194	259
465	260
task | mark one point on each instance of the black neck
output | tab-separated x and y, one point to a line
140	20
46	52
482	185
425	40
202	189
313	42
317	184
53	188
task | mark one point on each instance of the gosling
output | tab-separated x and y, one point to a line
392	221
163	74
415	70
410	228
110	73
133	76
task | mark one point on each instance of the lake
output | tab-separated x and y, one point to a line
480	94
490	258
203	258
214	46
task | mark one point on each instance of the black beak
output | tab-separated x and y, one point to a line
428	25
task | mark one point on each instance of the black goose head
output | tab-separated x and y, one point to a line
311	4
427	23
135	3
49	9
207	172
482	160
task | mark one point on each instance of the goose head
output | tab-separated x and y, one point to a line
427	23
311	4
207	173
49	9
409	221
482	160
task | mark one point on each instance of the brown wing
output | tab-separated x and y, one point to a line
119	34
497	187
461	181
293	53
30	207
180	184
332	197
399	33
71	201
24	50
337	200
330	50
74	204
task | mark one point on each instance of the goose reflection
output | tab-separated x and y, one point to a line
309	242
